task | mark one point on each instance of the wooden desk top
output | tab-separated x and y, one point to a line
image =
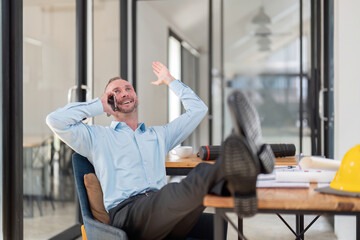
191	162
305	199
34	140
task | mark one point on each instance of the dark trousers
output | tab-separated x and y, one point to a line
169	213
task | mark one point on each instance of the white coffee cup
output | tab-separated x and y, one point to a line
183	151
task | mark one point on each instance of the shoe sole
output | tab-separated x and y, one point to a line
240	168
247	124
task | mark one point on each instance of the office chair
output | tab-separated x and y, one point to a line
97	230
94	229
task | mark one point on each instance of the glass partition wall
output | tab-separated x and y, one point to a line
190	76
262	59
50	206
1	132
166	33
184	65
49	33
106	49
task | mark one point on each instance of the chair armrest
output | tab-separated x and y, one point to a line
96	230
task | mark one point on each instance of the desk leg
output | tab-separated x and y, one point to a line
240	227
219	225
300	225
358	227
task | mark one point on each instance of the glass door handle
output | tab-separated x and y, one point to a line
84	87
70	92
88	98
321	101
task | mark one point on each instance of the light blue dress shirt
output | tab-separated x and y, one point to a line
126	162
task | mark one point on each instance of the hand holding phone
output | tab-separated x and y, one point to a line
112	102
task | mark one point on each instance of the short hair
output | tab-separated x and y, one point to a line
113	79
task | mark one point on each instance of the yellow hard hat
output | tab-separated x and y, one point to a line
347	177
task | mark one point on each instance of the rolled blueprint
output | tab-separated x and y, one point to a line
319	163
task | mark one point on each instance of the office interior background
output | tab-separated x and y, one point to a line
296	60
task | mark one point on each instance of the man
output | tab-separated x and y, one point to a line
129	160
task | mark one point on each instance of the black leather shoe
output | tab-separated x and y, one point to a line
247	124
240	169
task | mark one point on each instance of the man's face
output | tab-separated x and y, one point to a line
126	99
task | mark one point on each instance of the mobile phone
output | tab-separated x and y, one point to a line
112	102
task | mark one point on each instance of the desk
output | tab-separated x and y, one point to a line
182	166
293	201
36	172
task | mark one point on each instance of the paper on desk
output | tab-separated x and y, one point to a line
275	184
293	177
265	177
319	176
321	185
319	163
269	181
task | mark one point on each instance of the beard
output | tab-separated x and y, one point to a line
128	110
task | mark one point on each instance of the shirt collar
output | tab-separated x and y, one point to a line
121	125
142	127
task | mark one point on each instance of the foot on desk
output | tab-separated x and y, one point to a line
247	124
240	168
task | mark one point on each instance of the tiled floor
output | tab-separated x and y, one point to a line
51	223
262	226
269	226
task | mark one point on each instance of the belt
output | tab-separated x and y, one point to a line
140	195
118	207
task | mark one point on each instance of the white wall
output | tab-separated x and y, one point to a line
152	35
216	72
204	95
106	49
49	64
346	91
49	59
152	45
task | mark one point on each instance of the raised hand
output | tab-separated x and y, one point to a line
162	73
106	106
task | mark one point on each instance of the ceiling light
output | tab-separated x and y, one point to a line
264	40
264	48
261	17
263	31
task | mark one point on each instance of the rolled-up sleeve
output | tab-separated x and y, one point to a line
67	124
